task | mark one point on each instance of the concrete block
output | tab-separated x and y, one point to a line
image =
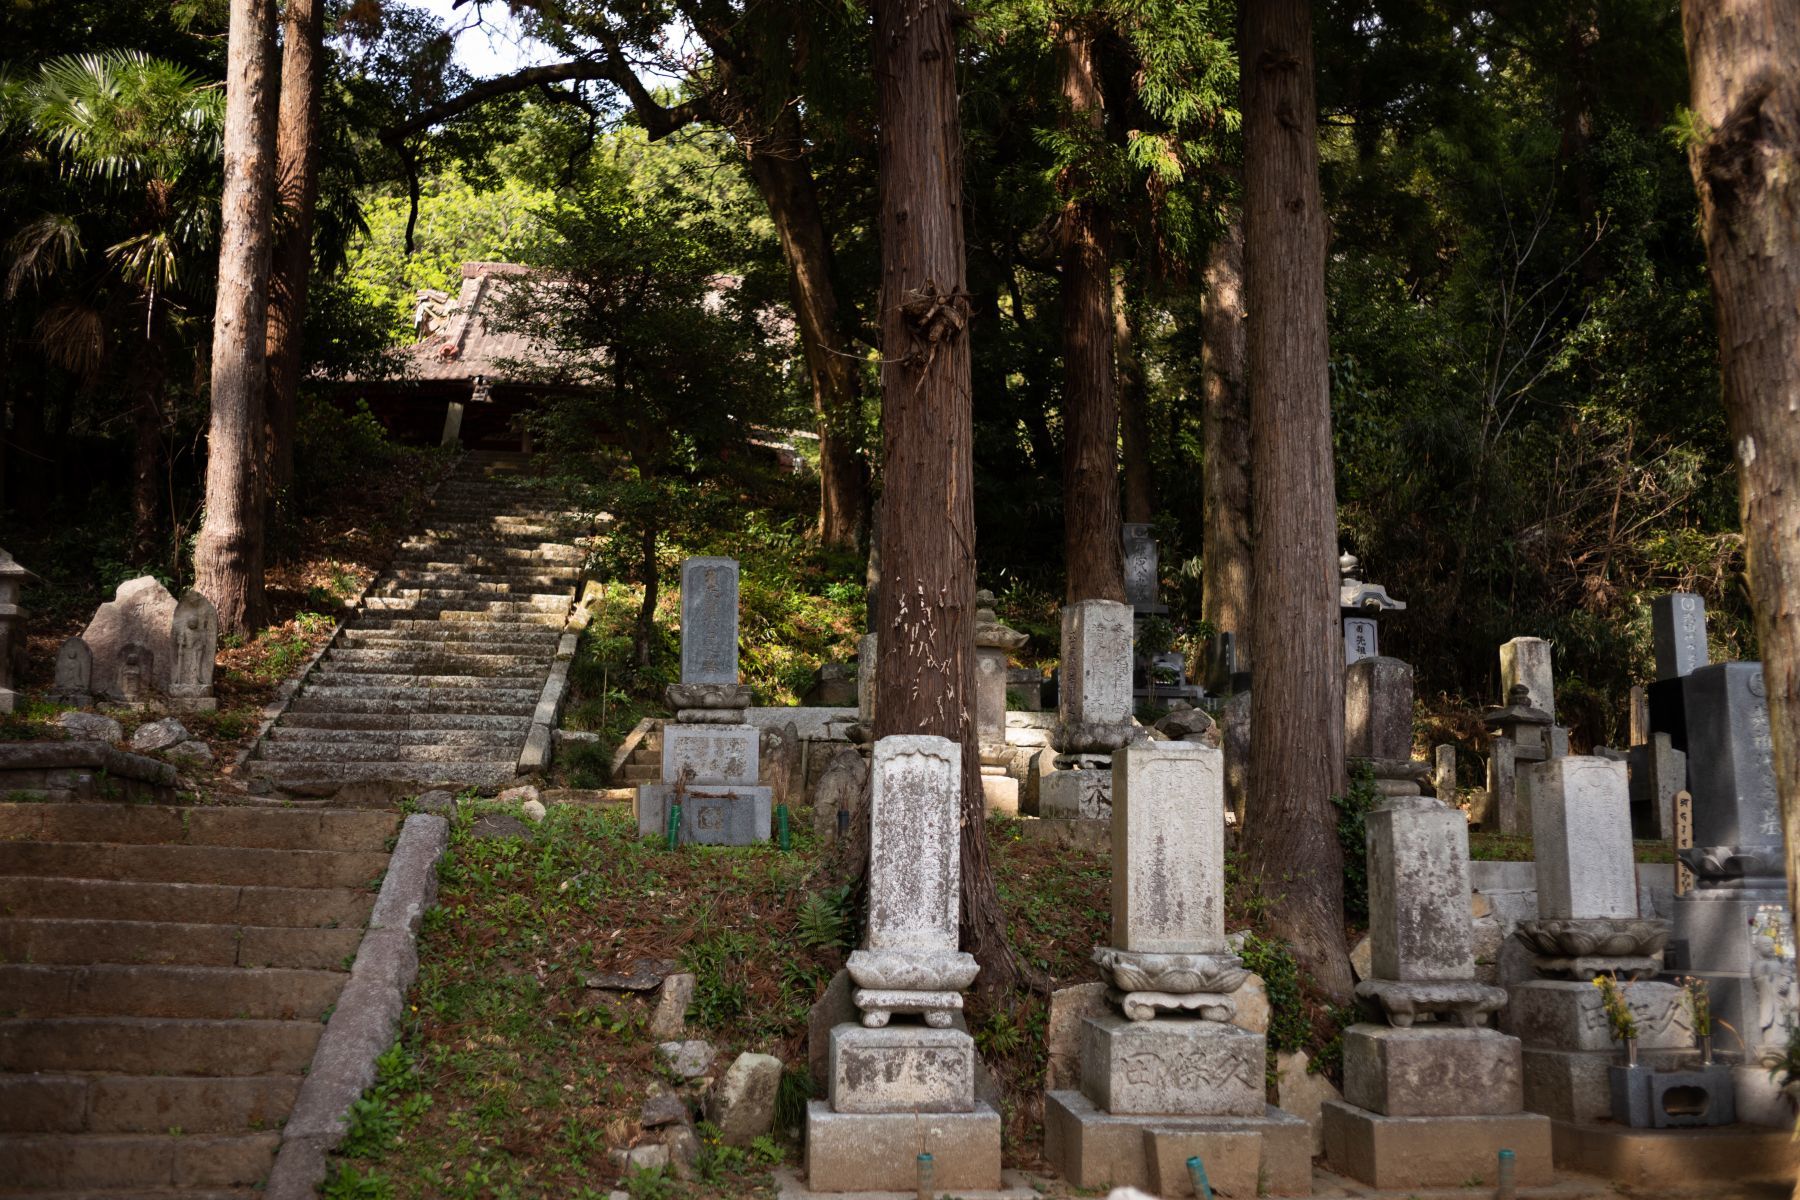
1393	1153
1168	868
1172	1066
863	1152
711	814
1426	1071
901	1068
1093	1149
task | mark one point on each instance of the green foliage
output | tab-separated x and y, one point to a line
378	1116
1289	1026
823	919
1353	836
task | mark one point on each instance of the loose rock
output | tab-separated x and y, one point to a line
742	1103
1362	959
1303	1093
441	802
646	975
1068	1006
688	1059
665	1108
91	725
192	751
683	1145
1252	999
518	795
651	1157
669	1021
159	735
833	1007
534	810
498	825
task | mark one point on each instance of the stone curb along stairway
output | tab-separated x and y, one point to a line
437	676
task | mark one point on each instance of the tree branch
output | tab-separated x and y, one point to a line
658	120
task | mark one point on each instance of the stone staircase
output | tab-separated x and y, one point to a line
435	678
165	973
643	764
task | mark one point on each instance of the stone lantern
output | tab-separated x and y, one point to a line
12	633
1361	603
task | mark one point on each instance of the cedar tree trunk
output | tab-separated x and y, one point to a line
296	192
1134	420
1225	440
228	559
926	670
1297	696
1744	67
1093	558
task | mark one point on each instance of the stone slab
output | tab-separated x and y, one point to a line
1172	1065
709	620
1168	848
901	1069
1426	1071
1378	709
1395	1153
714	753
1581	834
915	826
1554	1014
1666	1158
1000	794
1094	1149
858	1152
1075	795
1678	634
141	611
1419	898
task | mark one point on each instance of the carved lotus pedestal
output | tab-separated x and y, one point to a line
1580	948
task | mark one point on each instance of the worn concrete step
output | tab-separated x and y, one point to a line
190	903
410	619
537	580
50	1103
264	828
435	739
194	864
396	701
303	724
72	941
468	604
122	990
487	695
157	1045
314	750
137	1161
478	554
470	565
458	774
469	538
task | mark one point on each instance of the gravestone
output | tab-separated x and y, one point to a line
194	644
1443	774
74	673
1094	705
709	620
1658	772
1731	769
1165	1053
1581	835
137	673
1678	633
1362	639
1378	717
895	1087
1526	660
867	650
141	613
1141	583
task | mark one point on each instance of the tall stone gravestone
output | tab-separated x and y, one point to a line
1678	635
1164	1072
1141	584
1740	884
1430	1095
902	1080
1093	709
1587	925
1526	660
1378	724
710	758
13	577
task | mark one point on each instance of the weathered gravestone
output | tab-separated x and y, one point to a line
1093	708
1678	634
1526	660
194	644
141	614
1141	583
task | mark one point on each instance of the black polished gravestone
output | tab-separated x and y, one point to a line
1731	772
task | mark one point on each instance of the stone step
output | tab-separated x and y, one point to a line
478	538
539	651
399	701
451	588
538	580
144	1103
265	828
61	940
437	739
194	864
473	566
483	554
643	772
464	604
439	662
457	774
158	1045
143	1163
372	685
314	750
130	990
190	903
302	724
410	619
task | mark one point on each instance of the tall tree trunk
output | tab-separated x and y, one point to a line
925	675
228	559
780	171
1093	558
297	193
644	635
1744	67
145	389
1297	697
1225	440
1134	420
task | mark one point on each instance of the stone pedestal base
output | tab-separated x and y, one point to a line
711	814
867	1152
1268	1154
1674	1158
1414	1152
1555	1014
1432	1071
1172	1065
902	1068
1572	1085
1070	795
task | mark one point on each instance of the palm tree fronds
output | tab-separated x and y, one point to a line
73	337
40	248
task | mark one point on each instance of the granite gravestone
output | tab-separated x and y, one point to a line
1678	633
709	621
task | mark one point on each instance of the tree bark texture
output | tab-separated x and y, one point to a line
228	559
1093	556
1225	586
1744	70
925	675
782	175
1297	692
296	194
1139	503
